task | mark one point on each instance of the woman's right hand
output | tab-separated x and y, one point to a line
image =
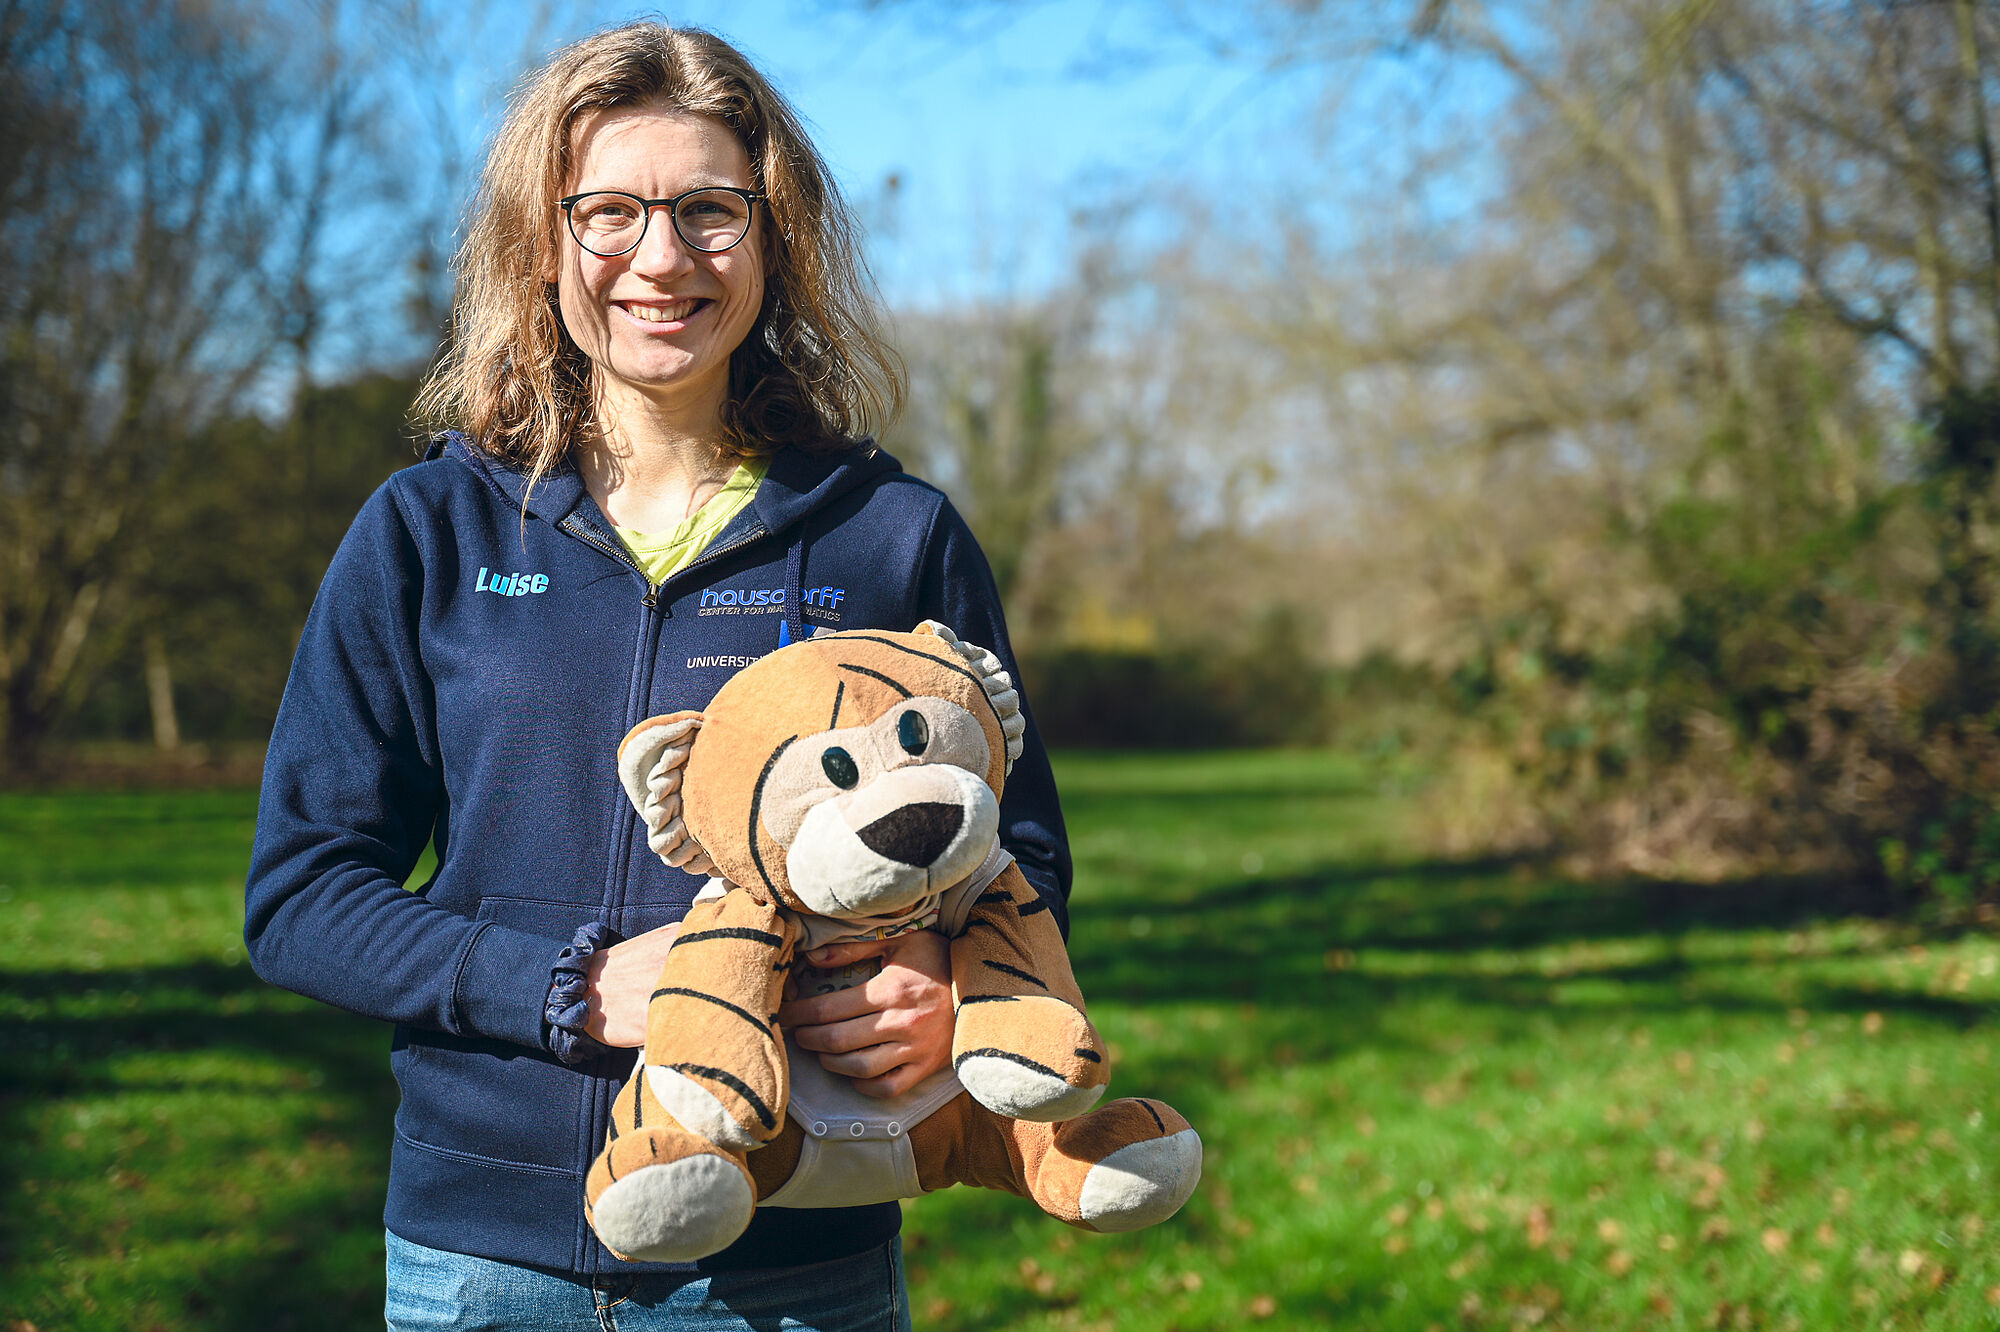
622	980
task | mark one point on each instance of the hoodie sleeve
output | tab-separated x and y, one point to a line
352	791
957	589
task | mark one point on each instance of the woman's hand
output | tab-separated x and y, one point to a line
891	1031
622	980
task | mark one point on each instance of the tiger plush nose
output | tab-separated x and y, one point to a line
915	834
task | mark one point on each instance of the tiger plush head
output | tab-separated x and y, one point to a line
849	774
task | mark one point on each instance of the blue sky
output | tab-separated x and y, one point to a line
994	123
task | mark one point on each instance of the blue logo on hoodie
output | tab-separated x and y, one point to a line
510	585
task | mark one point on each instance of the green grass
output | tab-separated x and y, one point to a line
1454	1095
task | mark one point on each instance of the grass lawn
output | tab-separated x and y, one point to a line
1433	1095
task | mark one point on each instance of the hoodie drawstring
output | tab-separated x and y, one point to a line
795	568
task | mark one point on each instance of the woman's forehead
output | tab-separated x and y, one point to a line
654	151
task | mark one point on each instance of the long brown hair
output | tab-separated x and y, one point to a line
813	372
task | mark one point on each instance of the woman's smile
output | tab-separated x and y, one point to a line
664	316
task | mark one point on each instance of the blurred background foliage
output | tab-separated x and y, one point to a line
1620	440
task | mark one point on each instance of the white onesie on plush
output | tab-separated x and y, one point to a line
857	1148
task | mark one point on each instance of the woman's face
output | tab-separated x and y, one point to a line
661	321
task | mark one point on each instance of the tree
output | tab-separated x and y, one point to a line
160	262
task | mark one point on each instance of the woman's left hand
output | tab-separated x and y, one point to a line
889	1032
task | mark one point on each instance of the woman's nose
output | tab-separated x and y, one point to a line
661	251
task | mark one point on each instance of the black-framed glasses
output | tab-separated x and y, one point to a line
609	223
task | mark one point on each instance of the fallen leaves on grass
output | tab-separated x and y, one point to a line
1539	1226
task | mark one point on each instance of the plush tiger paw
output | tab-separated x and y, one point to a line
664	1195
1030	1057
1127	1166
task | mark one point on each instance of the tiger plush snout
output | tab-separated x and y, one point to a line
910	832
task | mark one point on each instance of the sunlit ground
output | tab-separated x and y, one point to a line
1433	1094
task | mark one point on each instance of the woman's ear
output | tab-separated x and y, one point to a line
651	761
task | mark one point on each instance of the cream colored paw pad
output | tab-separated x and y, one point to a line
677	1211
1012	1085
1141	1184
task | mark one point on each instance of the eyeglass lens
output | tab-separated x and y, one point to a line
611	224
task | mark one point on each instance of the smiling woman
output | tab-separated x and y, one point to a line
663	380
816	374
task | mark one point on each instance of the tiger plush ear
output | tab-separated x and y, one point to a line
999	686
651	759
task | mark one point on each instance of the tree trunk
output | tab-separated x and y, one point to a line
160	694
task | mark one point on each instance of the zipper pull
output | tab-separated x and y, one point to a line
651	600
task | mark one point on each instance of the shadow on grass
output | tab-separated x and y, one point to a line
1267	942
1285	946
317	1264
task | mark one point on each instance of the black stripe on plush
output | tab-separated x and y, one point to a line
1033	908
733	932
1091	1055
1155	1114
994	895
1016	973
875	675
719	1002
1010	1057
988	999
735	1084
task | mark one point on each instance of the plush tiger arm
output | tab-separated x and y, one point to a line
713	1057
1022	1045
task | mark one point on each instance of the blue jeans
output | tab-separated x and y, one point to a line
436	1291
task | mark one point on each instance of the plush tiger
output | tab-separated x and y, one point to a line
847	786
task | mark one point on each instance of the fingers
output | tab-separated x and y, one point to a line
860	1033
925	951
818	1009
888	1069
892	989
893	1083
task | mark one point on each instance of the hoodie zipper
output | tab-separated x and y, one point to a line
587	533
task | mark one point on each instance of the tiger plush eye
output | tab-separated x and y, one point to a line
840	769
913	732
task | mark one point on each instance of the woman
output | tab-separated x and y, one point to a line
665	371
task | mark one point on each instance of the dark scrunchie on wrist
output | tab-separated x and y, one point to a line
569	995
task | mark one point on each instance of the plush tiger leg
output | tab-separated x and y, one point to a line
1023	1046
771	1165
713	1055
1126	1165
658	1193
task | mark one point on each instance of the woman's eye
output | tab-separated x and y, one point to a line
913	732
840	768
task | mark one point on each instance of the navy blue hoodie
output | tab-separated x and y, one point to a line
471	661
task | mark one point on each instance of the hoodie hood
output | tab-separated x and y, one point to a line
798	483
